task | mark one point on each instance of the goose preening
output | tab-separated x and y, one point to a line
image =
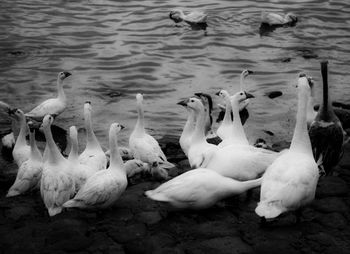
134	166
21	150
274	19
104	187
199	147
192	18
326	132
290	181
208	104
93	155
186	135
57	182
145	147
53	106
239	160
29	173
199	189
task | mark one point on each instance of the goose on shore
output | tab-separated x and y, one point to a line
199	189
145	147
199	147
192	18
21	150
186	135
104	187
239	160
274	19
29	173
290	181
53	106
57	182
93	155
326	132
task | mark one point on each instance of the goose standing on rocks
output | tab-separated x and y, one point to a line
326	132
145	147
104	187
29	173
290	182
53	106
239	160
186	135
191	18
199	189
21	150
274	19
199	148
93	155
57	182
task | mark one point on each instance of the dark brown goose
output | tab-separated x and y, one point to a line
326	132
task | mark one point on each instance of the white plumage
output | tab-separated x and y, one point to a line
104	187
290	182
274	19
192	18
186	135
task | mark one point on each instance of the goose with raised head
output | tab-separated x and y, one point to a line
225	128
290	181
21	150
192	18
208	105
104	187
240	160
274	19
53	106
326	132
199	189
81	172
29	173
186	135
93	155
57	182
145	147
199	148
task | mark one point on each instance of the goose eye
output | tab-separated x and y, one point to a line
241	94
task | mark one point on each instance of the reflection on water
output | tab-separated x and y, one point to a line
118	48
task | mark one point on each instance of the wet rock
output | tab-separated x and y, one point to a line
162	240
229	245
16	213
169	250
214	229
128	233
149	218
278	146
331	186
275	247
102	243
139	246
329	205
68	235
332	220
274	94
286	60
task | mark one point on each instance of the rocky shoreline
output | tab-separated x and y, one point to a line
136	224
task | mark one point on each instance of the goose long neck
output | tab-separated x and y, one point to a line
326	110
140	124
61	94
238	130
90	135
189	125
54	155
301	140
34	151
199	131
116	161
21	139
241	82
228	109
73	154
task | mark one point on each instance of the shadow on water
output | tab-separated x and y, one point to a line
265	29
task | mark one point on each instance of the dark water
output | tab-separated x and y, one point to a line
118	48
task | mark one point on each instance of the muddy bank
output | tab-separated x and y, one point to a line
136	224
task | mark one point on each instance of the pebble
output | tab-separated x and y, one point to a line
330	204
128	233
331	186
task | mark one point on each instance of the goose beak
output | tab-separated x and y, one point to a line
248	95
218	93
67	74
183	103
89	102
54	115
250	72
122	127
302	75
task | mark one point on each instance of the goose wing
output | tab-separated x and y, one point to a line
51	106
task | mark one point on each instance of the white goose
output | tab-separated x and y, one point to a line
290	182
208	105
133	167
29	173
21	150
192	18
199	148
186	135
81	172
274	19
199	189
53	106
240	161
57	183
93	155
225	129
311	112
145	147
104	187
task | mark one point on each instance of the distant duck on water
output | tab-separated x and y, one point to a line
196	19
274	19
326	132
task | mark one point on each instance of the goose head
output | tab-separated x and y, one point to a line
139	98
176	15
223	94
87	107
246	73
195	104
240	96
63	74
303	83
47	122
31	126
116	128
291	18
183	103
16	113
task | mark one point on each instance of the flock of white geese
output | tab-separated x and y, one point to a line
288	179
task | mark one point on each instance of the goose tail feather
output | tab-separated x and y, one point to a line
269	210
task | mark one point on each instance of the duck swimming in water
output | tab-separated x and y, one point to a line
192	18
274	19
326	132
